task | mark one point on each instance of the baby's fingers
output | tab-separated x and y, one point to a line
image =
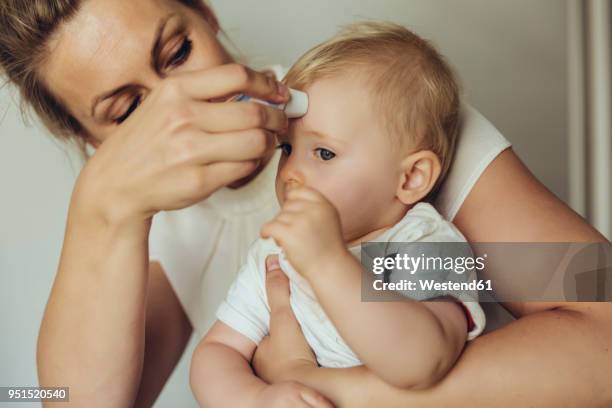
305	193
275	229
295	206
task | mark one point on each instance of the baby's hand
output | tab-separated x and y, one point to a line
308	229
290	394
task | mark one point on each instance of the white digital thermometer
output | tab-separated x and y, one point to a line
295	108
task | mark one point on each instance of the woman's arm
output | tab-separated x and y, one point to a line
556	354
92	334
167	331
167	155
521	209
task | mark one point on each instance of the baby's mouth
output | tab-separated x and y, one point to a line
288	186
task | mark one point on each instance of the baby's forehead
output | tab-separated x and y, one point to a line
338	108
331	96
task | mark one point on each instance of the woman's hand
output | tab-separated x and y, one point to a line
279	355
178	147
290	394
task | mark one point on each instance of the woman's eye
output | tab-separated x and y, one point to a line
181	54
325	154
129	110
285	147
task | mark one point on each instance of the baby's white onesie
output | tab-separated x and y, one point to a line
246	308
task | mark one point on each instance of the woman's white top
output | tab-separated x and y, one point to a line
201	248
246	308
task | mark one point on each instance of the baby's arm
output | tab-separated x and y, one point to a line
220	371
407	344
221	376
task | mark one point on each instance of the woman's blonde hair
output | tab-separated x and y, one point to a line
25	29
413	89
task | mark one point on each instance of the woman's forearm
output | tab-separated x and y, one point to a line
344	387
92	334
527	363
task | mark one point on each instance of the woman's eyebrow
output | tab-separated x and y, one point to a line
155	50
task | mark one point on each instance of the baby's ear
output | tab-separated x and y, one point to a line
419	173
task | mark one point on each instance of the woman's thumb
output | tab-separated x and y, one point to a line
277	284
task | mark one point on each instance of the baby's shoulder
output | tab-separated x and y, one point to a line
423	223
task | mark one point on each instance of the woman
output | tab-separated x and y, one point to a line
141	81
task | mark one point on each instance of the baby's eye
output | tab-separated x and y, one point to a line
285	147
325	154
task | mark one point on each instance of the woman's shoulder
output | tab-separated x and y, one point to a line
475	127
479	143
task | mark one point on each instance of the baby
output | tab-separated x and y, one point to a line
376	142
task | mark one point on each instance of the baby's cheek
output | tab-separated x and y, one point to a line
352	200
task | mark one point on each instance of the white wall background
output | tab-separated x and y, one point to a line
510	55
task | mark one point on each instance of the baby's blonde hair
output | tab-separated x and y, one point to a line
413	88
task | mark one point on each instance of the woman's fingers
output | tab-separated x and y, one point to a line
202	149
314	399
221	174
188	184
230	79
178	148
277	285
233	116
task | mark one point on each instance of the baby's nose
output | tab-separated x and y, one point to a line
291	174
292	184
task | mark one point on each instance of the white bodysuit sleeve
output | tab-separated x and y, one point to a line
245	309
428	233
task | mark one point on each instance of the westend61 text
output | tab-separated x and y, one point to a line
433	285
